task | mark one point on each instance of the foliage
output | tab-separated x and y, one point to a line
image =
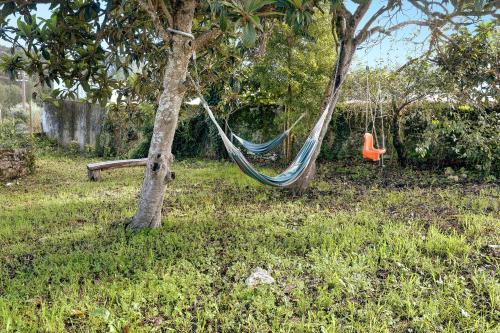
127	131
342	141
469	60
10	95
359	252
194	137
93	44
12	137
456	136
197	137
123	127
270	88
295	71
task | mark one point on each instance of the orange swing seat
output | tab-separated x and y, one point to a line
369	152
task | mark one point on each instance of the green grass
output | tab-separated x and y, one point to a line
358	252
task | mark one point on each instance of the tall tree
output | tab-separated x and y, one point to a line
300	64
409	84
82	40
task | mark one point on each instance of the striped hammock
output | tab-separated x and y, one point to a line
262	148
296	168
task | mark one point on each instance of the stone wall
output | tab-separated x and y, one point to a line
73	121
15	163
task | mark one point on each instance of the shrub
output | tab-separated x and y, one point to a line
122	128
11	137
74	147
458	137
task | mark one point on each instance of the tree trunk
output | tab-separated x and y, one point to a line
158	170
396	135
346	52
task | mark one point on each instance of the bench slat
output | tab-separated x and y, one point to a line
117	164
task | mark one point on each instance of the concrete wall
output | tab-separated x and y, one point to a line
73	121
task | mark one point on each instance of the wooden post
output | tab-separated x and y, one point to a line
31	118
94	175
23	80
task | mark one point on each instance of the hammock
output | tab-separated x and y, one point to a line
301	161
296	168
262	148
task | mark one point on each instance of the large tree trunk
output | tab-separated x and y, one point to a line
158	170
346	52
396	134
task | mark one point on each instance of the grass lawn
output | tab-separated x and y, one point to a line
358	252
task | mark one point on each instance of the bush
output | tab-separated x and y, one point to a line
122	128
74	147
341	141
11	137
194	137
441	135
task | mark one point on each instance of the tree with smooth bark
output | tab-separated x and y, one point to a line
68	47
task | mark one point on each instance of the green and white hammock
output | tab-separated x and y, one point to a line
304	157
296	168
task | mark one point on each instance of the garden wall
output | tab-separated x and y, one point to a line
15	163
73	121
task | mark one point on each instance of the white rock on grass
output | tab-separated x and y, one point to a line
259	276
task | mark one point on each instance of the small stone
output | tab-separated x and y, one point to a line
449	171
494	250
465	313
289	288
9	184
259	276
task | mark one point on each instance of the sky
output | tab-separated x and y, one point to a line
391	51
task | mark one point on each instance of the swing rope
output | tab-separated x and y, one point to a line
373	111
379	98
369	109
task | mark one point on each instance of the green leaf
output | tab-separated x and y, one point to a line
223	22
256	22
85	86
23	27
249	35
251	6
45	54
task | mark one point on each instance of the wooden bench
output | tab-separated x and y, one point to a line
94	169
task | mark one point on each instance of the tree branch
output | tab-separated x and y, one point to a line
434	19
206	38
166	12
361	11
148	7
